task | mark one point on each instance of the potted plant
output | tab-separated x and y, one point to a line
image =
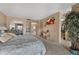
72	27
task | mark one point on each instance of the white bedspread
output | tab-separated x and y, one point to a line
23	45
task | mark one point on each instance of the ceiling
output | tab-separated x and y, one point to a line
34	11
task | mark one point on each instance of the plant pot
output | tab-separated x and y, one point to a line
77	45
74	51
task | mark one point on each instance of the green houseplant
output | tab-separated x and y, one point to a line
71	25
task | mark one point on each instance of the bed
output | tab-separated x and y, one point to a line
23	45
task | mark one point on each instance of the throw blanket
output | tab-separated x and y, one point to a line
23	45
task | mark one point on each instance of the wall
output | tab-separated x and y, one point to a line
75	7
12	20
2	19
53	29
26	23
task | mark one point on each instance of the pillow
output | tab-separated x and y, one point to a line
12	34
5	38
1	33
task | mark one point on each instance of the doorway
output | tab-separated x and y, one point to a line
34	28
19	29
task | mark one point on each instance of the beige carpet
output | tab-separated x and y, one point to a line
53	48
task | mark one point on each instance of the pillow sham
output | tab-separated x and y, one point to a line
5	38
